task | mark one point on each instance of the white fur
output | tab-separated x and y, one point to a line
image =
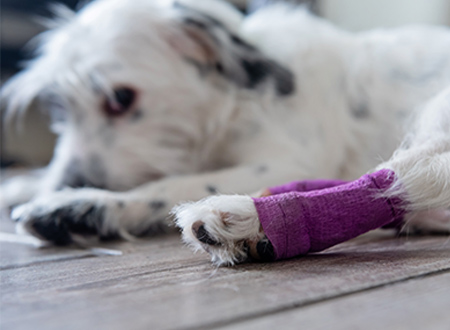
357	96
229	219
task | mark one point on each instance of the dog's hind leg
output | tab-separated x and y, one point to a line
436	221
422	166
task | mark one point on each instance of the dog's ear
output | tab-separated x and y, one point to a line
199	34
19	92
195	44
214	46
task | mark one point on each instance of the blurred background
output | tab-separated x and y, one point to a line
33	144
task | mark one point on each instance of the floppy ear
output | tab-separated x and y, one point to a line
195	43
212	47
20	91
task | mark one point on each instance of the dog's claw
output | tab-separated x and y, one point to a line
198	228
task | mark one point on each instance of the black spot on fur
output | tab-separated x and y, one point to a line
87	223
137	116
361	111
120	204
241	43
256	72
196	23
260	70
284	81
261	169
211	189
265	250
57	226
219	67
83	219
157	205
197	13
53	231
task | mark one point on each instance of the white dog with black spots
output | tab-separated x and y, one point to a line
160	102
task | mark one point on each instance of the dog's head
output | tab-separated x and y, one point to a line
143	86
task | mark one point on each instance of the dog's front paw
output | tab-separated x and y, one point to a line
58	217
227	227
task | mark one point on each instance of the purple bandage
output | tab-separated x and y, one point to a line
314	219
306	185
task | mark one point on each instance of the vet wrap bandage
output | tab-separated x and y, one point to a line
311	216
307	185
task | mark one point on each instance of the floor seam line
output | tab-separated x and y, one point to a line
316	301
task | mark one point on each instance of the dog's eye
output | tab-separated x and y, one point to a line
121	102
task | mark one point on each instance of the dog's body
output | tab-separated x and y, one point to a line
215	103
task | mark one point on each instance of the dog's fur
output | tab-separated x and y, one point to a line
224	104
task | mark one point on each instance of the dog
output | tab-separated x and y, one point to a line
160	102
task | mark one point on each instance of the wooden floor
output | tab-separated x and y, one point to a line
374	282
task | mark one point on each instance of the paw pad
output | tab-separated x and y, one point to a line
199	231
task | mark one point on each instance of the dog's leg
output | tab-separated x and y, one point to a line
20	189
422	165
228	227
295	222
436	221
58	215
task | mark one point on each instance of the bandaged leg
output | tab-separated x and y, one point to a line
298	223
303	186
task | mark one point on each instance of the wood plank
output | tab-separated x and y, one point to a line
6	224
421	303
163	286
18	255
15	255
